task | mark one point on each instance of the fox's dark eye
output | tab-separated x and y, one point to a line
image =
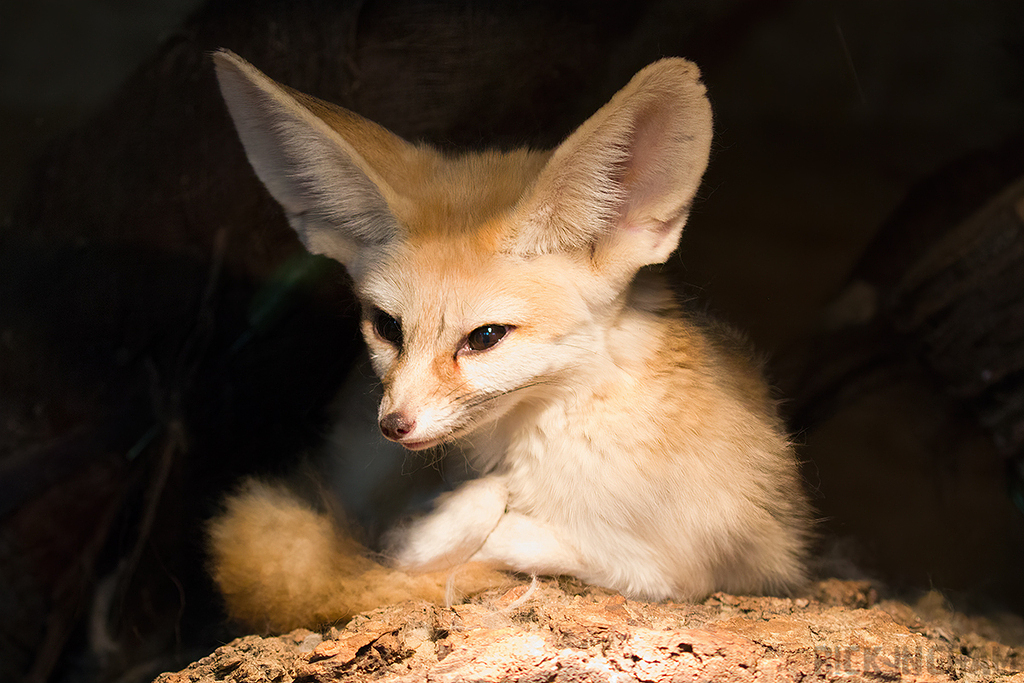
387	328
486	336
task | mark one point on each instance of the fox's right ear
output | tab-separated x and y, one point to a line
323	174
618	190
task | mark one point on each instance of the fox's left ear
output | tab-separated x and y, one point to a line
620	187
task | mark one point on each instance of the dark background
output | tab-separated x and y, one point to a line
134	240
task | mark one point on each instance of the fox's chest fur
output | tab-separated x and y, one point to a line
564	471
506	307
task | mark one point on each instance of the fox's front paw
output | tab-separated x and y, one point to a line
453	532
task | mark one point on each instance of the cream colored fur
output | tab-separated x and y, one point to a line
614	439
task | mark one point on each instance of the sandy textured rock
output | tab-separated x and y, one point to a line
563	631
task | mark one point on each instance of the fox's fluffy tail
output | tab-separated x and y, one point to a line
280	565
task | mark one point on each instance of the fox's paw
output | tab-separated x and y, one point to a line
453	532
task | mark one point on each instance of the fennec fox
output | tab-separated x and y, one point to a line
613	438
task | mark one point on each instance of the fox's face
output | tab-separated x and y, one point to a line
459	335
489	279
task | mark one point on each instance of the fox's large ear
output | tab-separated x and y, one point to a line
326	166
620	187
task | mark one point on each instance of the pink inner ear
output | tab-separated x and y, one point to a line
646	175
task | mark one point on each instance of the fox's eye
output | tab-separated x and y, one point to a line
387	328
486	336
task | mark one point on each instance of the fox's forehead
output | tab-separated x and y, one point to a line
462	196
450	273
447	287
450	277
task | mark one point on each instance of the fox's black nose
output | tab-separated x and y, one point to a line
396	425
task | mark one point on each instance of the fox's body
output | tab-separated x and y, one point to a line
504	308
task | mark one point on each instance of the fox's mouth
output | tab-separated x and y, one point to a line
424	444
482	412
421	445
